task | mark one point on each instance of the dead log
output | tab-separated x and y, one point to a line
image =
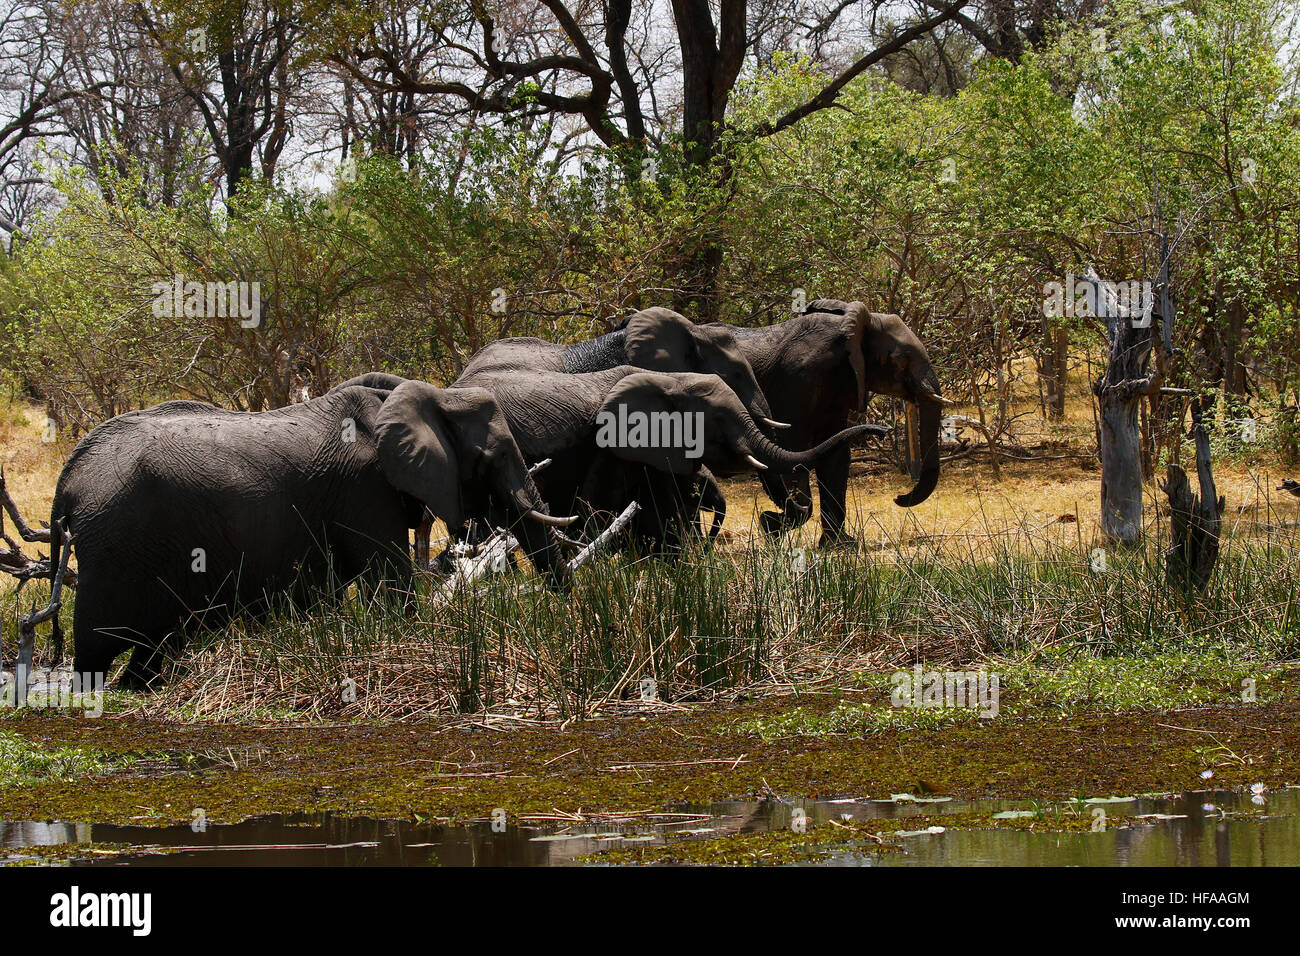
1119	392
1195	520
605	537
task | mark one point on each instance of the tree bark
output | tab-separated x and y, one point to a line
1053	370
1119	393
1195	521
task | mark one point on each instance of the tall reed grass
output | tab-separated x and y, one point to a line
766	618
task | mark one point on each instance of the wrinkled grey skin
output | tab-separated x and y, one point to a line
555	415
300	500
819	368
708	495
655	339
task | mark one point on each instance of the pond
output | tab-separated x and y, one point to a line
1203	828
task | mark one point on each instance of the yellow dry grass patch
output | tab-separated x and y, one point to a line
1034	494
970	505
31	466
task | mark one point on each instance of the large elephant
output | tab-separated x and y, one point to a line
567	419
182	513
819	368
655	339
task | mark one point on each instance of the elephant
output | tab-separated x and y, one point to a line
655	339
819	368
183	512
707	495
571	419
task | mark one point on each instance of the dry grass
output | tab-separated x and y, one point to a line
31	466
969	501
988	569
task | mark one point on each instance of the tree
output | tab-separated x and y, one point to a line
232	58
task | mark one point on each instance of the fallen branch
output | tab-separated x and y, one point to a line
616	526
27	623
473	562
12	559
25	532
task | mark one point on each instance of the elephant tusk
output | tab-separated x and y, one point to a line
776	424
936	397
539	466
550	520
756	463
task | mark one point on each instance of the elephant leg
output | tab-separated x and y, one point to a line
832	491
143	669
796	504
708	496
422	532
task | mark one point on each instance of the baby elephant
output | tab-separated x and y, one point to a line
182	513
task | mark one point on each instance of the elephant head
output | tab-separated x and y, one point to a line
433	441
686	420
662	340
888	359
384	381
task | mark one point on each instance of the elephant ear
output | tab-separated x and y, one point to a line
418	450
857	322
633	403
661	340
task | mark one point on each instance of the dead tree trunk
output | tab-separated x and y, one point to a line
1053	368
1119	393
1195	520
13	561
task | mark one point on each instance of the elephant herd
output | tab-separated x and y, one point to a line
181	513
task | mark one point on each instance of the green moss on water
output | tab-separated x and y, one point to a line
451	771
858	837
1056	684
63	854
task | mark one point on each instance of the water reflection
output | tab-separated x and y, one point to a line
1192	836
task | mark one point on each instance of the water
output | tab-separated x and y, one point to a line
1196	837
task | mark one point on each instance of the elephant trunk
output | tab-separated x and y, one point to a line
930	414
771	455
756	404
535	529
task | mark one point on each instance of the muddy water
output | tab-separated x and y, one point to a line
1194	836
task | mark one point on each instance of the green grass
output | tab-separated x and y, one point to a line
23	763
1054	685
762	620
